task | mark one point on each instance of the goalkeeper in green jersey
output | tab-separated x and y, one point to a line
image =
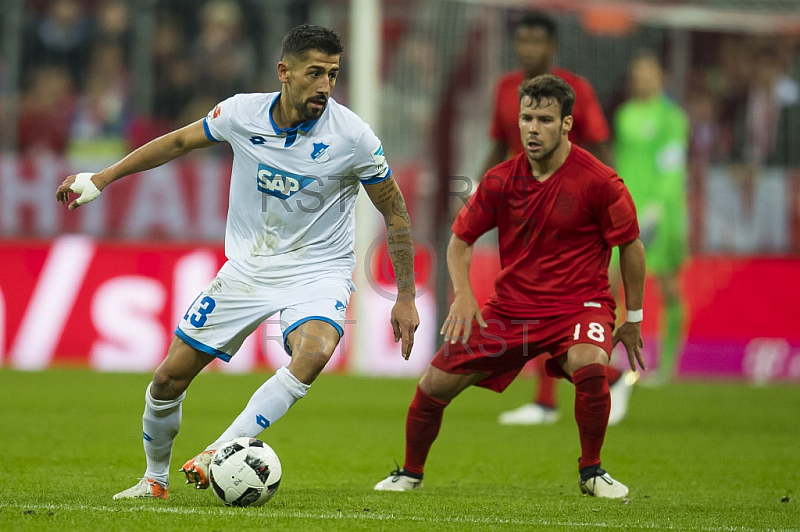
651	141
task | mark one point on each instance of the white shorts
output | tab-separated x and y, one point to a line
228	311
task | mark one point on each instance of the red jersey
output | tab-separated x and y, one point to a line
555	237
589	122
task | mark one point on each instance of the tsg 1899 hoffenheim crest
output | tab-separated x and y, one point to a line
320	153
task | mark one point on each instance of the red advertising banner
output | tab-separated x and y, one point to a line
113	306
110	306
743	318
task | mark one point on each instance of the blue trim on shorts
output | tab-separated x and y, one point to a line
201	346
208	131
298	323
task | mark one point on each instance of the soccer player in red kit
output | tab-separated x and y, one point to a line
536	44
558	212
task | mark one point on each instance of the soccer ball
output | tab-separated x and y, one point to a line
245	472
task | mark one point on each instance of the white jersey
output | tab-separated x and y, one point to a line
291	212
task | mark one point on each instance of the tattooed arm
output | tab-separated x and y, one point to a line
388	199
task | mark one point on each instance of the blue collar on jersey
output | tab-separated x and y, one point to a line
291	132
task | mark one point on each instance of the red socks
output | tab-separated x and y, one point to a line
547	385
546	396
592	406
613	375
422	426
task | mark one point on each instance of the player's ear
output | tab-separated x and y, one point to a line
566	124
283	72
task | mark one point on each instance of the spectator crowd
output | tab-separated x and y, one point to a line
76	77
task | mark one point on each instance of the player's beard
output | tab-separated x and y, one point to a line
313	113
545	153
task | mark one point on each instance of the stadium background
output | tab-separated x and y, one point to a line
83	82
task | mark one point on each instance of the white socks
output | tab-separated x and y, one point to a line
268	404
162	419
160	424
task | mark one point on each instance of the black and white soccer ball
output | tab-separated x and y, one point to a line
245	472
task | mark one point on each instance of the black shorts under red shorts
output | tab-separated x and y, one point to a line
503	347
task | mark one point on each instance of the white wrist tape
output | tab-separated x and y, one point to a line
84	186
634	316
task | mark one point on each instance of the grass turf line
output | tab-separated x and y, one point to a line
713	457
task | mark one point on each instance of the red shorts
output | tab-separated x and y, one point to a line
503	347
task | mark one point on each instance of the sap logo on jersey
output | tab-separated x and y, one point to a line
280	183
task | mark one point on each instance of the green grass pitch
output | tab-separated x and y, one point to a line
711	457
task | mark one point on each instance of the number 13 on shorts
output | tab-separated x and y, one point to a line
594	332
199	317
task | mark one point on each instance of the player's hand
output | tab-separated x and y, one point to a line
630	334
405	321
458	325
79	184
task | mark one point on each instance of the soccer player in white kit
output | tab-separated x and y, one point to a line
299	161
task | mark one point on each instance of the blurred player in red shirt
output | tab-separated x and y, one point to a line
558	211
536	43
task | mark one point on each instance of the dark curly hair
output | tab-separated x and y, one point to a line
307	37
536	19
549	87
